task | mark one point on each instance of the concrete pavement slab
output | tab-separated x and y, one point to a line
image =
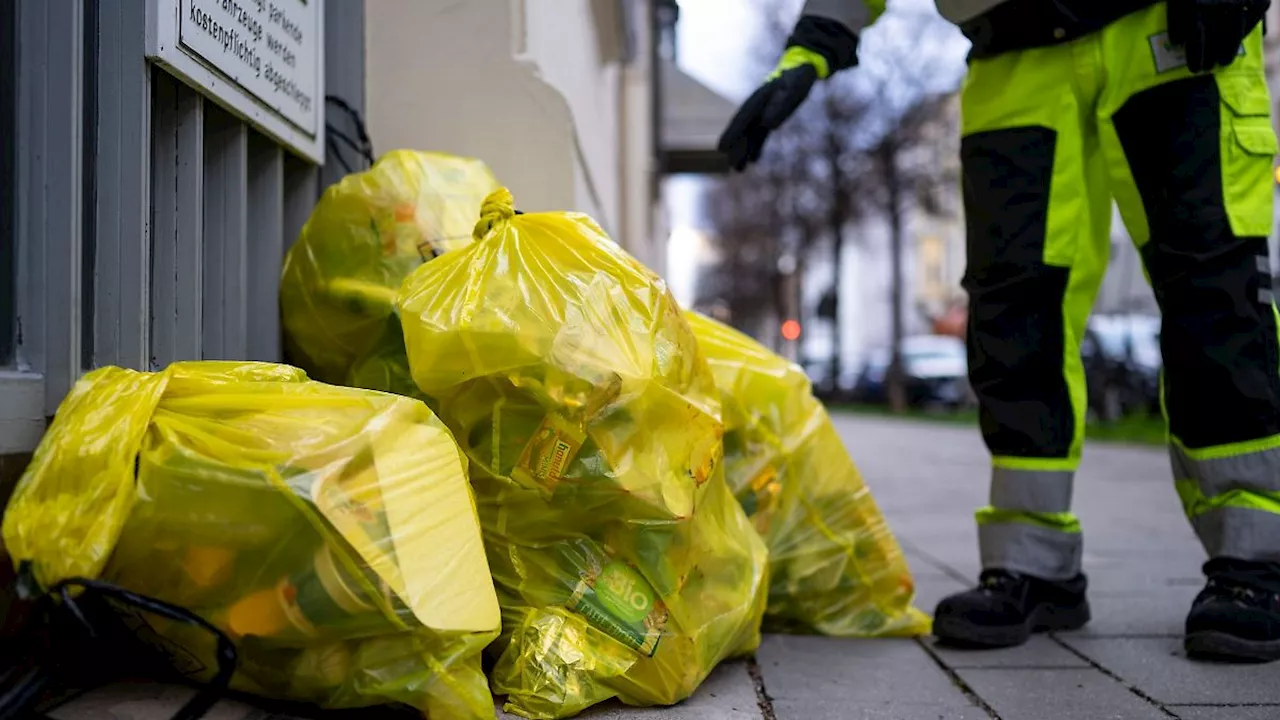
804	711
728	694
932	586
148	701
1039	652
1158	667
942	544
1151	614
809	677
1075	694
1255	712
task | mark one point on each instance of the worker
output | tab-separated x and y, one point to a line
1069	104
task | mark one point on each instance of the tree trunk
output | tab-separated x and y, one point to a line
897	385
839	211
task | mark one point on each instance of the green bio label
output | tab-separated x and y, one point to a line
619	603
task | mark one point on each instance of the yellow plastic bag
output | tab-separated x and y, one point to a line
834	566
624	567
330	532
364	237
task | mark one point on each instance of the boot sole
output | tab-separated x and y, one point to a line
959	632
1220	646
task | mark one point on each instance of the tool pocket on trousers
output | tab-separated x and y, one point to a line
1248	154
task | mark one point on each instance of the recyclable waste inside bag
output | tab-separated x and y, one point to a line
364	237
329	532
834	566
624	566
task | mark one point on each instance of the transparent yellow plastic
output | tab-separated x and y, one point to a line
330	532
624	567
834	566
367	233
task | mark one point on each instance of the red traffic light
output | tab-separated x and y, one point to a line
791	330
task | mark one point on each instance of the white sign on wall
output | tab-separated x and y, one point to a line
263	59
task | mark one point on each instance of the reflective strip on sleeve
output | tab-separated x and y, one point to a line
1030	548
1033	491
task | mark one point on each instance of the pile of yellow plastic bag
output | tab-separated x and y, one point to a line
364	237
834	566
329	532
624	566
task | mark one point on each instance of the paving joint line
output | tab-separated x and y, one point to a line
1224	705
1126	636
932	560
1134	689
1015	668
763	701
958	681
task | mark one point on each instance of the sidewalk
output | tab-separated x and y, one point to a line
1143	563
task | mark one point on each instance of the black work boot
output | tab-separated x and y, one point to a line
1236	618
1007	607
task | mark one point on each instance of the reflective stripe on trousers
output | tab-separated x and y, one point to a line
1232	500
1028	527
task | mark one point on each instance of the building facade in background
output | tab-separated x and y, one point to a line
555	95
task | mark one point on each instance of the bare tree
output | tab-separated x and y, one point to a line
906	178
908	74
810	166
744	211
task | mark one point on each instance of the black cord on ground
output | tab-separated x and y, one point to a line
23	687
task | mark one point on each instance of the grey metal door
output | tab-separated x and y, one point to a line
140	223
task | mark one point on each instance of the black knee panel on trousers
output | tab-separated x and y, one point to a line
1218	338
1015	334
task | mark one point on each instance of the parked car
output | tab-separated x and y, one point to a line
824	386
1122	362
936	370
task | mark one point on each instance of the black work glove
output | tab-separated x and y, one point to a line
763	112
818	47
1211	31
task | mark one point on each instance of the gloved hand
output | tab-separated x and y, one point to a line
765	111
817	47
1211	31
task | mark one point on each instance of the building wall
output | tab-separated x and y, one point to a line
573	54
539	89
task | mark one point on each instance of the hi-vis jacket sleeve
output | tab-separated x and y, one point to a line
855	15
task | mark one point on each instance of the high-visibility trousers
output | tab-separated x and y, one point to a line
1050	137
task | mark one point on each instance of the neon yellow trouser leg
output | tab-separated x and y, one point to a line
1051	136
